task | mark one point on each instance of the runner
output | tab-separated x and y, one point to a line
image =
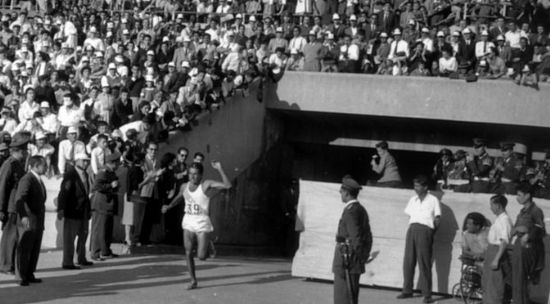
196	223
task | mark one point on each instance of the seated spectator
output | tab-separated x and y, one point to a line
399	52
447	63
296	61
520	59
417	60
443	166
496	67
474	239
385	165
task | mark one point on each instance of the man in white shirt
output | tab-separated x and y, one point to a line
483	47
513	35
497	262
68	148
349	56
297	42
49	120
399	51
424	214
99	154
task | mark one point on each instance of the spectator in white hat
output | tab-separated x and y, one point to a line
483	46
183	53
399	52
313	53
278	41
43	148
427	40
93	40
336	27
50	124
68	149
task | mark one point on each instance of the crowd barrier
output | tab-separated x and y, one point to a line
320	208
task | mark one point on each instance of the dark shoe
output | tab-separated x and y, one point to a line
99	259
70	267
85	263
35	280
24	283
110	256
428	300
192	285
405	295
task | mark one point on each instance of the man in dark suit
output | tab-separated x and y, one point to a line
74	207
466	55
10	173
30	208
354	237
386	19
104	207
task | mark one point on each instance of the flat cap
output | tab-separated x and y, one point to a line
19	140
479	142
507	146
349	183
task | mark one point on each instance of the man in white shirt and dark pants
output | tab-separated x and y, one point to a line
424	212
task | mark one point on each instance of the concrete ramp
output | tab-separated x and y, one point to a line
319	210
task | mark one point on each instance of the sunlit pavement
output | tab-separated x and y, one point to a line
159	275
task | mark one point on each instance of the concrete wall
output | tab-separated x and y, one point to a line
320	208
499	102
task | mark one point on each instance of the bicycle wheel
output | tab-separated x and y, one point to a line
470	294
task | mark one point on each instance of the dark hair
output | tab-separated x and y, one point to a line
500	200
167	159
36	160
102	136
421	179
183	149
197	166
477	218
198	154
526	187
383	145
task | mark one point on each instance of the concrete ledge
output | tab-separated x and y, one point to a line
498	102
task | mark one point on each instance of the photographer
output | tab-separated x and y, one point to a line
384	164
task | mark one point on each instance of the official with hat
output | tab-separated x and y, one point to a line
74	209
353	244
479	165
104	207
507	170
12	170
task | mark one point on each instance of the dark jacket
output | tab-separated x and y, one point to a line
105	198
73	199
31	201
354	228
10	173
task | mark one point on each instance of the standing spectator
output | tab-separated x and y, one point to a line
30	201
497	268
312	54
424	217
349	56
28	107
99	154
149	192
49	124
68	149
354	236
528	253
399	52
104	206
75	210
386	166
11	172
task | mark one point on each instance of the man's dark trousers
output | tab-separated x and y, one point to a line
341	292
73	228
418	249
8	244
102	234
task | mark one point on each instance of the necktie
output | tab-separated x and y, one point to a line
43	188
86	182
484	47
71	152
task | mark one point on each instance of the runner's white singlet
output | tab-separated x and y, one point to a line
196	217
